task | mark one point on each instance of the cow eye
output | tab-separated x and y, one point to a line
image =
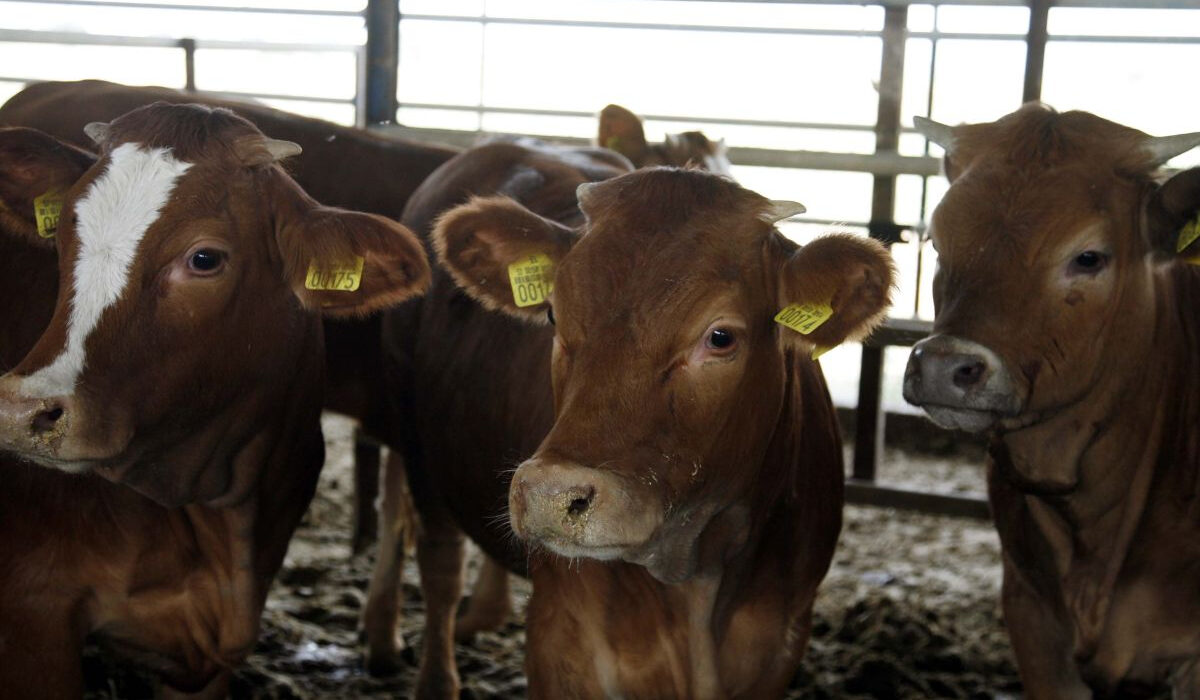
1089	262
206	261
550	315
720	339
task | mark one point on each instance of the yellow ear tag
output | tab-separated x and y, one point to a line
532	279
1187	234
46	209
339	277
804	318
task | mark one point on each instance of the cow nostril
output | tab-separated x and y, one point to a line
968	374
45	420
580	504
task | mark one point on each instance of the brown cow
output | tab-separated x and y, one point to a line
343	167
678	408
1064	328
173	400
622	131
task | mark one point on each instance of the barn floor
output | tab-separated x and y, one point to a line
909	609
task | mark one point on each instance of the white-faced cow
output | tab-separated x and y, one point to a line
172	402
681	489
1066	327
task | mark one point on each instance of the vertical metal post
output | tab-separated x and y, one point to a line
383	60
1035	48
189	64
868	433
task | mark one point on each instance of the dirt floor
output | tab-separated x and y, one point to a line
908	610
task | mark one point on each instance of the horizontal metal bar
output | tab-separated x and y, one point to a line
792	31
899	331
646	117
231	95
1107	4
202	8
873	494
79	38
877	163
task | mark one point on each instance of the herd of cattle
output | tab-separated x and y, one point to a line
600	372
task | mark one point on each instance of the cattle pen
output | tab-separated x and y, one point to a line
815	101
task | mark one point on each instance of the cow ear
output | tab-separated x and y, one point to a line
621	131
502	254
835	289
36	170
346	263
1173	217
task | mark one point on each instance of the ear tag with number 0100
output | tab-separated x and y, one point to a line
1187	234
340	277
46	209
532	279
804	318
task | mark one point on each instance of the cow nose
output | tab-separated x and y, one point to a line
966	371
47	419
950	371
580	500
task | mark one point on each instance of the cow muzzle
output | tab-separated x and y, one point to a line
961	384
577	511
50	431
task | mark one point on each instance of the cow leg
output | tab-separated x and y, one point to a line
366	489
489	605
440	555
1041	644
397	528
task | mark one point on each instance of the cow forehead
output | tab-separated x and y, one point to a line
112	217
1024	211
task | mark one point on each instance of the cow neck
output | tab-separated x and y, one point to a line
1113	439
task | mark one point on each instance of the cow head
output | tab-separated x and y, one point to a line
621	131
1051	243
669	373
188	263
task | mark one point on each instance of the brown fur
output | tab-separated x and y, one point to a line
165	549
1092	475
658	248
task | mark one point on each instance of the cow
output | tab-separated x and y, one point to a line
664	398
340	166
168	414
622	131
343	167
1064	330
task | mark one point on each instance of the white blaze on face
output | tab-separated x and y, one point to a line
110	220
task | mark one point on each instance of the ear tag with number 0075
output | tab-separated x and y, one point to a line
340	277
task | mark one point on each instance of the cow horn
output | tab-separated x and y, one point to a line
281	149
781	209
96	131
1164	148
941	134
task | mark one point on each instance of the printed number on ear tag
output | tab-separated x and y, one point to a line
804	318
47	209
340	277
1187	234
532	279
